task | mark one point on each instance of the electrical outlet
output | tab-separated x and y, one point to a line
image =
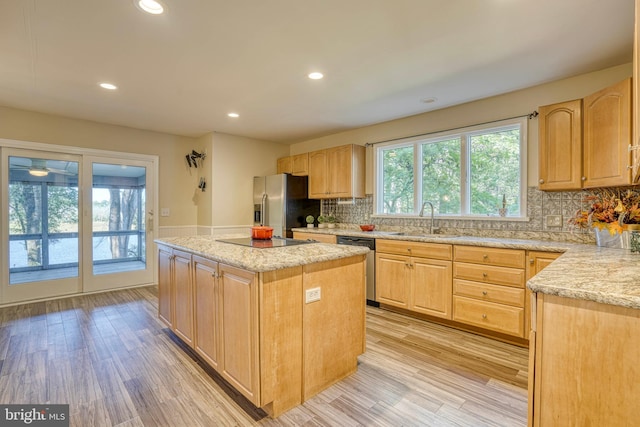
164	212
312	295
554	220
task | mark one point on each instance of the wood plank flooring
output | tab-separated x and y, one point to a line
110	358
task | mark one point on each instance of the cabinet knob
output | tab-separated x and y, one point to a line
484	316
531	261
485	256
541	181
584	178
484	275
484	293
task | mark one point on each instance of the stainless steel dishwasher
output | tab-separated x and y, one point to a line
371	263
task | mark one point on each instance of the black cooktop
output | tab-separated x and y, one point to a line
276	242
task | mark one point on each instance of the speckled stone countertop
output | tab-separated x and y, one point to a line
260	260
588	272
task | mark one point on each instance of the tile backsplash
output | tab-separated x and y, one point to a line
540	205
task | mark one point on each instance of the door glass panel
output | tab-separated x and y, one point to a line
118	206
43	219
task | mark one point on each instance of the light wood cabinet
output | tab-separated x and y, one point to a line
324	238
560	146
297	164
607	137
165	305
585	366
175	292
636	97
207	310
537	261
239	355
414	276
337	172
585	143
285	165
300	164
255	329
489	288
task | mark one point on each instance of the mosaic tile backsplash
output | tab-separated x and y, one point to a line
540	204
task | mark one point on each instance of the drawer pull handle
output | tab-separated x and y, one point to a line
484	293
484	316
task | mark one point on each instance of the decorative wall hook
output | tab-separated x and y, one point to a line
195	159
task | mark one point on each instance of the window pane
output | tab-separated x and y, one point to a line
397	180
495	172
441	175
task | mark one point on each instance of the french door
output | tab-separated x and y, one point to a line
118	232
74	223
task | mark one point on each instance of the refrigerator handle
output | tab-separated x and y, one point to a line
264	209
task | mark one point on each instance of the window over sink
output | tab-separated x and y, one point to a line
474	172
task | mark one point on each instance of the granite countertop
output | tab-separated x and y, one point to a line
260	260
587	272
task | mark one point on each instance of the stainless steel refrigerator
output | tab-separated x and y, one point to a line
281	202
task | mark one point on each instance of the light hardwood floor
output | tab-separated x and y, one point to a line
112	360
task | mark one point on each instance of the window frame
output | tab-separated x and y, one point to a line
464	135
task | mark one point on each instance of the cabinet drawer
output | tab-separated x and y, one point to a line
497	317
489	274
491	293
490	256
418	249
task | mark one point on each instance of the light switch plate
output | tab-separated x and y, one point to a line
554	220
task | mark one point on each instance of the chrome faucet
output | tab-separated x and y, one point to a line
431	229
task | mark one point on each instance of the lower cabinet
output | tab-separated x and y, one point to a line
477	287
584	365
239	330
415	276
175	292
258	331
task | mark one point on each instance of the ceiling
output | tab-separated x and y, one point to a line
183	71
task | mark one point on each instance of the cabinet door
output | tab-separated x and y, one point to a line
318	184
205	286
340	171
300	165
393	279
537	261
284	165
607	136
560	146
239	330
165	258
432	287
183	297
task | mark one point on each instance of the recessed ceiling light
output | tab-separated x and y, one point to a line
151	6
429	100
234	115
315	75
108	86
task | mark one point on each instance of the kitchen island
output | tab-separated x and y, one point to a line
279	324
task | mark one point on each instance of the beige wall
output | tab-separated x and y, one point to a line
174	177
495	108
235	161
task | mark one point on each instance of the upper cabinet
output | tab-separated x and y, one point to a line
560	145
607	137
337	172
585	143
636	97
295	165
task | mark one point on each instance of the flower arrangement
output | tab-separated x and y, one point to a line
610	210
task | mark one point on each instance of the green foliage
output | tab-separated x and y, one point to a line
494	172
